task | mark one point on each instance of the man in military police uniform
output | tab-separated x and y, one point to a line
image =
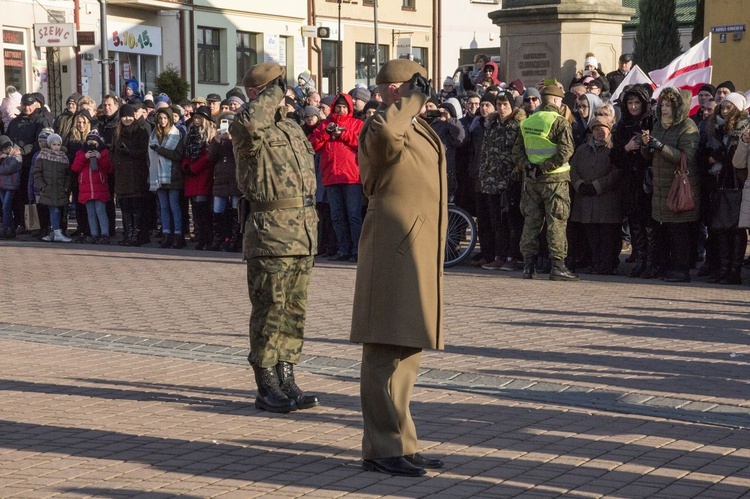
542	151
276	175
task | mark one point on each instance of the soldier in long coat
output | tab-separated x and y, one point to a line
276	174
398	298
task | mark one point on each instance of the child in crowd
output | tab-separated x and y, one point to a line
10	182
53	178
92	165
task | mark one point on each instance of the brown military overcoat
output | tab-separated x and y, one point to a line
398	298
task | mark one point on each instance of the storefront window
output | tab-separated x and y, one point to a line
14	57
420	56
209	55
330	67
365	65
247	53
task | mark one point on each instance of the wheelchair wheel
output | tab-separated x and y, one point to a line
461	237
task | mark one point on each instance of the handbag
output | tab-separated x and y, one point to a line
680	198
31	217
724	211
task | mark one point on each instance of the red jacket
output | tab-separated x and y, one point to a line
92	184
338	157
199	175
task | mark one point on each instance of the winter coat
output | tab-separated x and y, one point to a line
53	177
681	136
398	295
741	162
199	175
10	171
496	165
9	108
225	179
177	178
64	124
24	131
452	135
477	132
107	126
338	157
129	157
92	184
636	201
591	164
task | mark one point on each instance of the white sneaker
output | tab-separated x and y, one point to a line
49	237
60	237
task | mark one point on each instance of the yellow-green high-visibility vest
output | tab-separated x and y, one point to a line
535	130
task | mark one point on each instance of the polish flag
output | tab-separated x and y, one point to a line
635	76
690	71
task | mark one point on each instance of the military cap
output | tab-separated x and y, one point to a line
262	73
399	71
553	90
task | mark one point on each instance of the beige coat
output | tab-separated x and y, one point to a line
398	298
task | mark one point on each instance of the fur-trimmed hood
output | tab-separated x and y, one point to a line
682	99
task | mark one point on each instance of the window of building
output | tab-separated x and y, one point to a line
247	53
209	55
408	4
329	80
14	57
365	66
420	56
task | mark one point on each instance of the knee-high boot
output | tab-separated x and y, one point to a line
201	219
737	247
234	242
639	245
219	231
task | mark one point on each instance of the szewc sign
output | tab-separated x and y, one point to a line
55	35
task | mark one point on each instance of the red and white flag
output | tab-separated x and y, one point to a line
635	76
690	71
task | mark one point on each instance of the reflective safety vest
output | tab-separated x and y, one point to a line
535	130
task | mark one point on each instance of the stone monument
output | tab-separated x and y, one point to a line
550	38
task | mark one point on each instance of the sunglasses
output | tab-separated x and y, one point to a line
530	99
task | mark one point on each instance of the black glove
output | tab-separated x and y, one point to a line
533	171
154	147
281	82
587	190
655	144
421	84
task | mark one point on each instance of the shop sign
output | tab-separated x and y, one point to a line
13	37
13	58
134	39
86	38
55	35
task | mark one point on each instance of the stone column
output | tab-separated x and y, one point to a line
550	38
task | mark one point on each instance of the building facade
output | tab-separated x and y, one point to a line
727	21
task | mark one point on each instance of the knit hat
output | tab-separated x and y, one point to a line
236	99
600	121
531	92
45	133
304	76
328	100
737	99
591	61
708	88
236	92
311	111
5	142
361	94
726	84
73	97
127	111
488	98
176	110
518	85
162	98
225	102
148	103
53	137
94	135
449	81
161	105
371	104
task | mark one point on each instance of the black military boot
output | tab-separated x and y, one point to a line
285	370
270	397
559	272
529	268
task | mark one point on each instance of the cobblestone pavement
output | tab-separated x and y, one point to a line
123	373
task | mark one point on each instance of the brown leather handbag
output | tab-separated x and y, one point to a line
680	197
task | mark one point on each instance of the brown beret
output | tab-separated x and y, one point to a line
600	121
399	71
553	90
262	73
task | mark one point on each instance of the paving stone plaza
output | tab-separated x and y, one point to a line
123	373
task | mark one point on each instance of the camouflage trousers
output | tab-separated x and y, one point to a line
278	294
545	202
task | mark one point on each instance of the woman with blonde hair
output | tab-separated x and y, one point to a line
199	172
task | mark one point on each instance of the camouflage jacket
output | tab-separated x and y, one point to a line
276	174
496	166
562	135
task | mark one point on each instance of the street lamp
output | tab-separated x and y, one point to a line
339	66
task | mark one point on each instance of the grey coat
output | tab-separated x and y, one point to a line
591	164
53	177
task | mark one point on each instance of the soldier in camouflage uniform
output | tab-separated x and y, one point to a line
542	152
276	174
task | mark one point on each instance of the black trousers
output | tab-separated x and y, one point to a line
484	227
507	225
604	243
674	245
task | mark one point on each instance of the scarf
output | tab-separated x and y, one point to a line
195	143
160	168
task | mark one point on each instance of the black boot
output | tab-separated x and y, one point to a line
270	397
179	241
738	246
285	370
219	224
639	268
560	272
167	241
529	268
127	223
234	243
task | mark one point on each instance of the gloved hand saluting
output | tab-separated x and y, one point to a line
421	84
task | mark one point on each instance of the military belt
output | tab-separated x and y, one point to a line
282	204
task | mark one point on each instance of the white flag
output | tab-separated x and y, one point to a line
690	71
636	75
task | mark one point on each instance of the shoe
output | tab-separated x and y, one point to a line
103	240
353	259
493	265
706	270
285	370
510	265
421	461
339	257
639	268
270	397
60	237
529	271
632	258
478	262
49	238
560	272
179	241
396	466
677	276
167	241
